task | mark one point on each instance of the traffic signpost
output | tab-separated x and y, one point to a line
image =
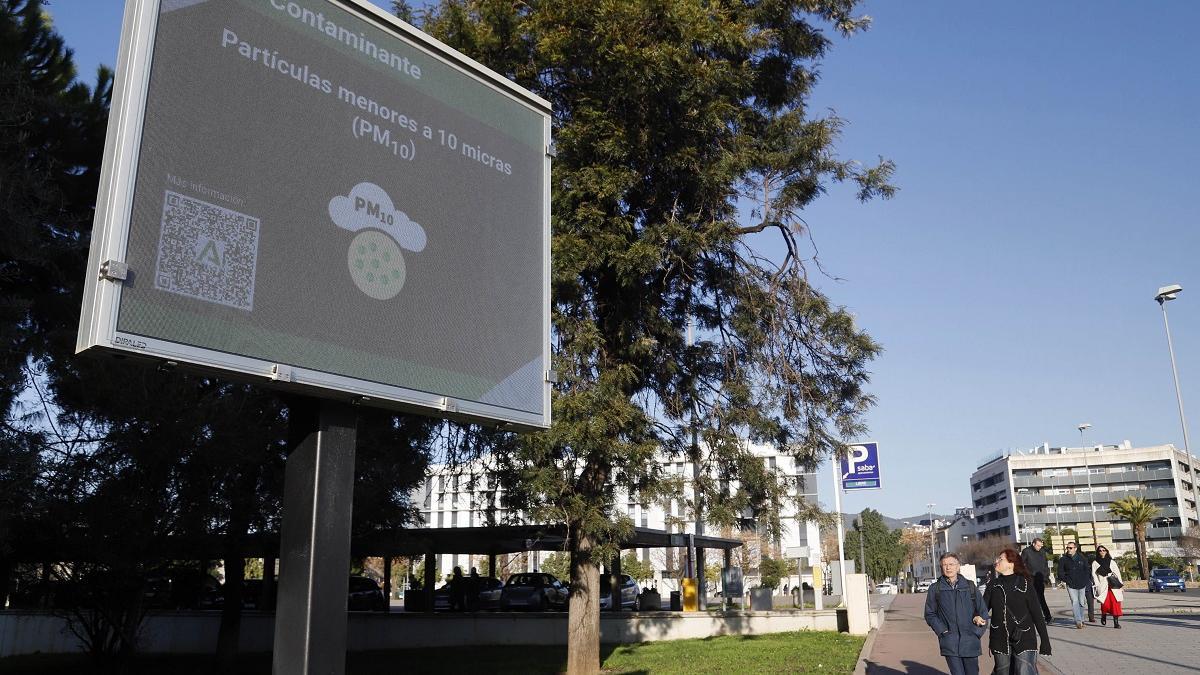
860	468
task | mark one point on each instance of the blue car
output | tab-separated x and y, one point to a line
1163	579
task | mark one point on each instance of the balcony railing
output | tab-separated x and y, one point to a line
1102	516
1030	499
1097	478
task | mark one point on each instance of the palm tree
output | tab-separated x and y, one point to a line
1138	512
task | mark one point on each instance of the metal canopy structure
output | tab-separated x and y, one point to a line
398	543
500	539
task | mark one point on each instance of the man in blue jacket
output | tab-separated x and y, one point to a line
955	610
1075	570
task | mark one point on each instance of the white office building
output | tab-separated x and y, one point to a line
1020	494
463	498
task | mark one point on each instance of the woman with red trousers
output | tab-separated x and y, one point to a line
1106	586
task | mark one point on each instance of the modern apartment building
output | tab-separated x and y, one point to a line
470	498
1020	494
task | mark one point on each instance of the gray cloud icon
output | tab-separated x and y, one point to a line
368	206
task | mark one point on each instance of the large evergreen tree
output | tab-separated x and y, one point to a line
127	465
682	130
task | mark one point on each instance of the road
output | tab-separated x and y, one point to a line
1160	634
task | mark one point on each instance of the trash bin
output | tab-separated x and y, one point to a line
414	600
650	601
676	601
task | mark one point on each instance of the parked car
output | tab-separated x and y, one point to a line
533	590
489	594
1163	578
364	595
181	588
886	588
490	589
923	585
629	592
251	594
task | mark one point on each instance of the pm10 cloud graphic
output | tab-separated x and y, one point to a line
374	259
860	467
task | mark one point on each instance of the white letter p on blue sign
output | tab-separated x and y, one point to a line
858	454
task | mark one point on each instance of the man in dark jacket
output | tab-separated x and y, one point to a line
1035	560
1074	569
955	610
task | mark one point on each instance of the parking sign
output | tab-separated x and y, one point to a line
860	467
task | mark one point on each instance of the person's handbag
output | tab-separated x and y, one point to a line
1114	582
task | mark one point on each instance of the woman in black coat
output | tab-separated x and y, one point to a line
1015	615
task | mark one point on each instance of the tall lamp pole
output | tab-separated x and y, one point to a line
1165	295
932	553
1088	471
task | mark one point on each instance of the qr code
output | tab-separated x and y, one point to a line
207	252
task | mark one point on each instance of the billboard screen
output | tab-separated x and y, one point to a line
314	192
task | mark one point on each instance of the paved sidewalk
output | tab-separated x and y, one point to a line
905	644
1158	638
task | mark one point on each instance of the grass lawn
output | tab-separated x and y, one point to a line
803	652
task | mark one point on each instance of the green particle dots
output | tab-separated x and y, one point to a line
387	257
371	277
362	250
384	280
358	264
375	263
374	246
395	274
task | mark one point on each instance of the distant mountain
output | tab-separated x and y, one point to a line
892	523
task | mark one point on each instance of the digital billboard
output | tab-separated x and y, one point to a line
315	193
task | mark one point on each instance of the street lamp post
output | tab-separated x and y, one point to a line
1165	295
932	554
1088	471
1168	520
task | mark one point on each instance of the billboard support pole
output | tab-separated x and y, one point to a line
834	463
318	492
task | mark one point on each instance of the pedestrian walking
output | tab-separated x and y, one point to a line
1035	560
1107	582
1015	616
458	591
1073	569
955	611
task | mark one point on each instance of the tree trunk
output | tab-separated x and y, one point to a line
1137	551
1143	563
583	617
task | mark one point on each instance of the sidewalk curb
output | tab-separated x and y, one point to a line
860	668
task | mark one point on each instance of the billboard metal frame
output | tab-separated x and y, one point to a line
110	237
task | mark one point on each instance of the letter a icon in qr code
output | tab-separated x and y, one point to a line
207	252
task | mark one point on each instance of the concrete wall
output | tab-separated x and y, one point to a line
858	604
196	632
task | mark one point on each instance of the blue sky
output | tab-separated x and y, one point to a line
1047	168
